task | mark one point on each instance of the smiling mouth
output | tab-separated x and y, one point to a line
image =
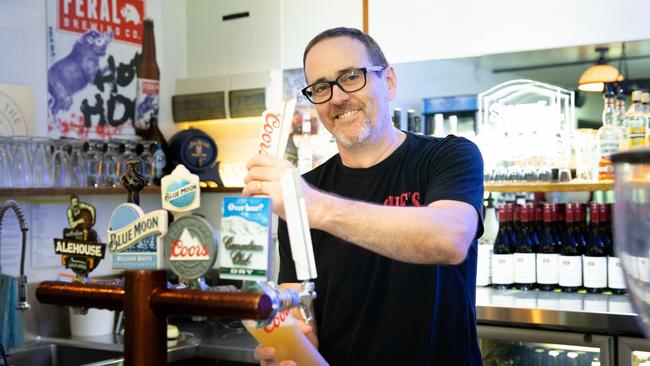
347	114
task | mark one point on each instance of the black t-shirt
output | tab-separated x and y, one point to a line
373	310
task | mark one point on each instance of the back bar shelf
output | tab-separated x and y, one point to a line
48	191
573	186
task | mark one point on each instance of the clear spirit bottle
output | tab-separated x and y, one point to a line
609	138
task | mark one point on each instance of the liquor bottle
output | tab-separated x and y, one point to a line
645	110
502	257
146	102
486	244
397	118
594	269
305	148
620	110
417	123
547	256
524	256
609	137
635	123
410	120
438	125
570	267
453	125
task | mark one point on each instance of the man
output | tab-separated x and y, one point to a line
394	219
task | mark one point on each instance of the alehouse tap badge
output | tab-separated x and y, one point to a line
180	190
79	249
191	246
135	238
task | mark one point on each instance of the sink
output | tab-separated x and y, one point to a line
60	355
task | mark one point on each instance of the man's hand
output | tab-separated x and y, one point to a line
263	179
267	355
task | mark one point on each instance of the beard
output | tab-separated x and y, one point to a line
364	133
362	136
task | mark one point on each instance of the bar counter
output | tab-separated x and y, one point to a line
582	312
576	312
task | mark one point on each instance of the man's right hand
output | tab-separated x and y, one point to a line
266	355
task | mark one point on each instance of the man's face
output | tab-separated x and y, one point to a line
353	118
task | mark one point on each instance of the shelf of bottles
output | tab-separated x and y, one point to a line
550	246
46	191
573	186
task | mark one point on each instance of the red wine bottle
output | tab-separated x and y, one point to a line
502	257
524	256
594	269
570	269
547	256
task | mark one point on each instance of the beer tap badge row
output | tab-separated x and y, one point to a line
188	246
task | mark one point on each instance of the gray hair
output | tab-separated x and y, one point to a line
374	51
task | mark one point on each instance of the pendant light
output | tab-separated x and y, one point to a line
596	76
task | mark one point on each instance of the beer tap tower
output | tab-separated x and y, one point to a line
146	302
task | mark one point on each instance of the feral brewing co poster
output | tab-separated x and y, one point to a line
93	52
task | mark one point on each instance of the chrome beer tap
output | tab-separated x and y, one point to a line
22	279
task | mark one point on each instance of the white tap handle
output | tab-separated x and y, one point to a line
298	226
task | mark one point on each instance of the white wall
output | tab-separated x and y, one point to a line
302	20
22	51
424	30
217	47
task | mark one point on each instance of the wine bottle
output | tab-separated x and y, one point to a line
524	256
615	277
594	269
486	245
502	257
570	268
547	256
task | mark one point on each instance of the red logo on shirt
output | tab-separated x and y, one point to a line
403	199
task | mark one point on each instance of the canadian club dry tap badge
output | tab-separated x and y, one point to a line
135	238
191	244
79	248
246	252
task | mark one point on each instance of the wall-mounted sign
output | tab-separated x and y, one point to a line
93	54
198	107
246	103
246	245
191	246
79	249
135	238
180	191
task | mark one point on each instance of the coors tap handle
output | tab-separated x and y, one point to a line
274	134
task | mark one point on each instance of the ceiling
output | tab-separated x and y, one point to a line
562	66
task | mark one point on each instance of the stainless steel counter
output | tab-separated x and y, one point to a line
594	313
591	313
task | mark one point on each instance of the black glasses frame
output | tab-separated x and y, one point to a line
364	70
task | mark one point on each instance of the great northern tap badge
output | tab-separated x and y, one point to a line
180	191
135	238
191	246
79	248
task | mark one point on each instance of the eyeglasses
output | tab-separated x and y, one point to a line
349	81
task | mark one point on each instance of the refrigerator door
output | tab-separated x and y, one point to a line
633	351
513	346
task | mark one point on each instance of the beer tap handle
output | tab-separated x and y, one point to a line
298	226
